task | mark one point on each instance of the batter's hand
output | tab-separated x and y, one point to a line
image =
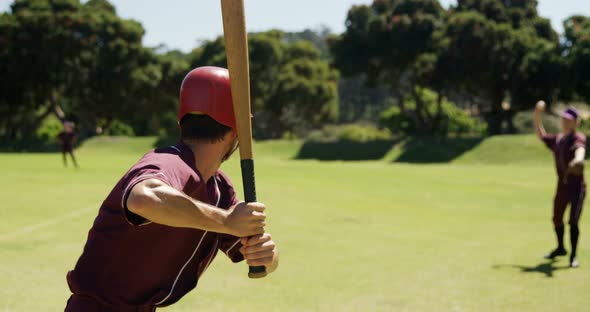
260	250
245	220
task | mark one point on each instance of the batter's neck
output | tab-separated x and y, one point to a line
208	157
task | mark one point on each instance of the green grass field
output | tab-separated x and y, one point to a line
354	236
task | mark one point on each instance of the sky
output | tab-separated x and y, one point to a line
181	24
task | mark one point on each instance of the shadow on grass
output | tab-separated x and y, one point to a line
346	150
435	150
31	146
547	268
418	150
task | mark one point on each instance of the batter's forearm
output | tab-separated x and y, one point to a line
162	204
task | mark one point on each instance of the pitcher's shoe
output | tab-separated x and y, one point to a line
556	253
574	262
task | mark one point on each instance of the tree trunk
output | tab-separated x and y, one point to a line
495	116
439	101
412	114
11	131
421	115
439	112
36	123
509	117
400	101
107	123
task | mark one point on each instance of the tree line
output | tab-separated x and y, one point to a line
491	52
83	62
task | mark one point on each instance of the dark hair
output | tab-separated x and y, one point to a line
202	127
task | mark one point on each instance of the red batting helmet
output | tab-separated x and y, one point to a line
206	90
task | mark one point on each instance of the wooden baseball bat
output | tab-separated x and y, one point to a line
236	48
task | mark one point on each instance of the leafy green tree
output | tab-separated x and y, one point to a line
577	51
119	73
85	60
453	120
502	51
491	49
395	43
162	100
292	87
518	14
39	52
317	37
306	91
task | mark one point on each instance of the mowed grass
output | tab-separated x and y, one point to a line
354	236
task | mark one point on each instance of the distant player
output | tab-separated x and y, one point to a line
67	140
569	149
171	213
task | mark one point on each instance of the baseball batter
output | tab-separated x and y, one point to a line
569	150
166	219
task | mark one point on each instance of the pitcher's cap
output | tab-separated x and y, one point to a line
570	113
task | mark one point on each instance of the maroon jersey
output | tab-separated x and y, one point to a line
129	261
564	148
66	140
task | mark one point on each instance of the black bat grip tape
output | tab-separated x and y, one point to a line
250	196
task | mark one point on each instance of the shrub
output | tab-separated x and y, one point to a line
523	122
584	125
290	136
453	120
349	133
457	121
168	130
49	130
396	121
118	128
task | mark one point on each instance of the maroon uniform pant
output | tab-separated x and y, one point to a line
573	194
78	303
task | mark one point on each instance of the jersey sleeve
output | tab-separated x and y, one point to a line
136	175
228	197
230	246
550	141
580	141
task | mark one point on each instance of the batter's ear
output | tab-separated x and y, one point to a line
231	135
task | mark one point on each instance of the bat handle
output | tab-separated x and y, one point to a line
250	197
